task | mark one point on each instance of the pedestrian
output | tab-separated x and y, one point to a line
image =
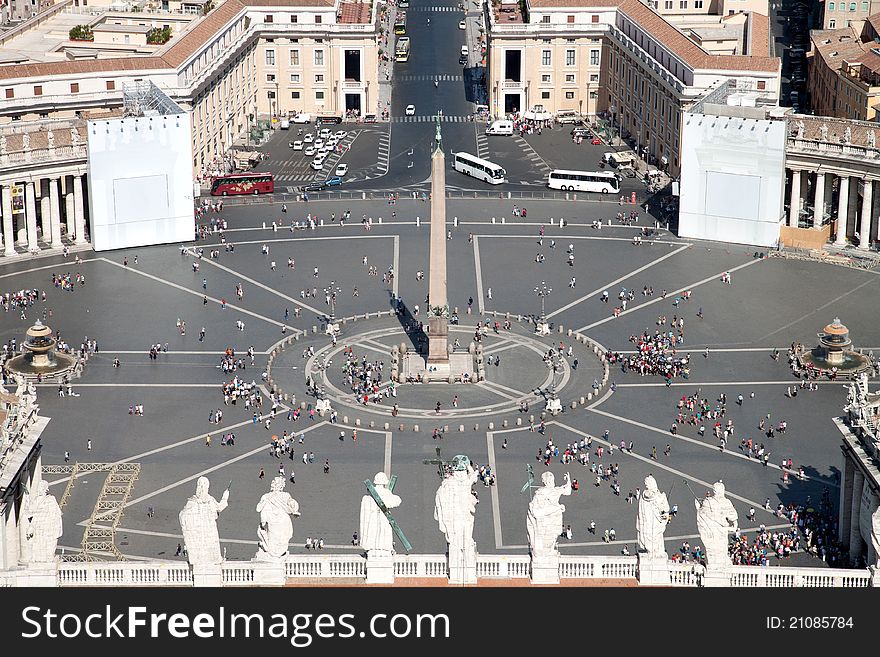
208	440
327	466
262	474
66	456
89	444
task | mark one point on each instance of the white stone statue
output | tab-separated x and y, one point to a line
44	527
276	527
847	135
198	520
652	520
454	508
376	534
872	139
50	139
544	519
3	146
716	518
801	129
823	132
74	137
875	536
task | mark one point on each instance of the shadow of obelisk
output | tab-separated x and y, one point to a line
438	309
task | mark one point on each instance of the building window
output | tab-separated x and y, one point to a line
594	77
545	77
294	78
594	58
852	6
293	18
38	90
831	24
569	95
545	95
74	87
271	95
294	95
319	58
10	93
762	85
667	4
830	6
44	115
319	77
270	58
319	95
111	85
569	77
268	18
294	57
318	18
545	18
569	57
594	95
545	40
569	40
545	58
594	18
570	19
864	6
682	4
698	4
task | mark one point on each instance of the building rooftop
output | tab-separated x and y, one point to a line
354	12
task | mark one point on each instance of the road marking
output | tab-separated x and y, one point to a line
708	279
395	285
479	272
697	384
568	237
592	294
388	445
492	387
33	269
198	294
496	505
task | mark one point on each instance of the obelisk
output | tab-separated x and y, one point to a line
438	317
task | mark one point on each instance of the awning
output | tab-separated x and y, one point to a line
537	115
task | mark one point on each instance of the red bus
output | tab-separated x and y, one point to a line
243	183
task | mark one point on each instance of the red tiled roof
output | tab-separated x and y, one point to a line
759	29
354	12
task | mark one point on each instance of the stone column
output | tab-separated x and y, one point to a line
819	200
846	493
55	213
867	204
78	211
8	229
68	213
10	531
45	218
30	209
795	199
842	211
855	533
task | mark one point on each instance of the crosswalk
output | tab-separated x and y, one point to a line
298	168
384	152
425	118
482	145
537	161
428	78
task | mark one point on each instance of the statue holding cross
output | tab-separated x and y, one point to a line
377	525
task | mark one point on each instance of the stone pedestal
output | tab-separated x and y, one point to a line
654	571
542	328
716	578
554	406
332	329
39	575
463	565
438	342
269	573
545	570
380	567
323	406
207	575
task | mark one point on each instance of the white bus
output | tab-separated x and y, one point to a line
479	168
584	181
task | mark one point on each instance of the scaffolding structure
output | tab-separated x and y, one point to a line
143	98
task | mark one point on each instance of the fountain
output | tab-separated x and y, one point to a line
40	359
834	355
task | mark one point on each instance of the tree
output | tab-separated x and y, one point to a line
81	33
158	35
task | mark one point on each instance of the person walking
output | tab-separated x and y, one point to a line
89	444
262	473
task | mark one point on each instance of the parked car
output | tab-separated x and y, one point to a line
341	134
464	51
342	169
311	150
297	145
333	182
314	187
371	118
324	133
463	60
410	110
318	163
462	25
309	138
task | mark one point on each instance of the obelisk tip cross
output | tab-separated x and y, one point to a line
438	140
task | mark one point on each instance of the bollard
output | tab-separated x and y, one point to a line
552	220
344	419
560	329
461	427
455	221
531	419
491	426
508	194
503	219
415	427
320	222
387	426
589	396
445	428
418	222
401	427
372	424
363	196
493	220
380	220
569	332
519	421
314	329
264	225
503	423
583	400
302	406
574	405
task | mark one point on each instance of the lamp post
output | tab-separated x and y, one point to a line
554	363
542	291
332	290
322	403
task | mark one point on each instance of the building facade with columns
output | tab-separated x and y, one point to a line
620	59
246	60
832	166
859	525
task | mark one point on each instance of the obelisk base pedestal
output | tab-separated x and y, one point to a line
437	362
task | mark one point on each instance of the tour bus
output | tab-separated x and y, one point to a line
403	4
243	183
401	51
479	168
584	181
400	24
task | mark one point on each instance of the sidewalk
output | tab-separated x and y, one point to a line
387	42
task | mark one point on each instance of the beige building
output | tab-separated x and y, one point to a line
621	59
837	14
670	8
844	70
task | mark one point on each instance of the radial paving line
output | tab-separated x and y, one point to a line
496	505
395	286
33	269
680	473
619	280
708	279
691	384
568	237
263	286
193	292
479	272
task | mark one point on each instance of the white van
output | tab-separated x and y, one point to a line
500	128
567	116
285	124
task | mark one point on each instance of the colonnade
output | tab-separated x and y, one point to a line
854	206
58	203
